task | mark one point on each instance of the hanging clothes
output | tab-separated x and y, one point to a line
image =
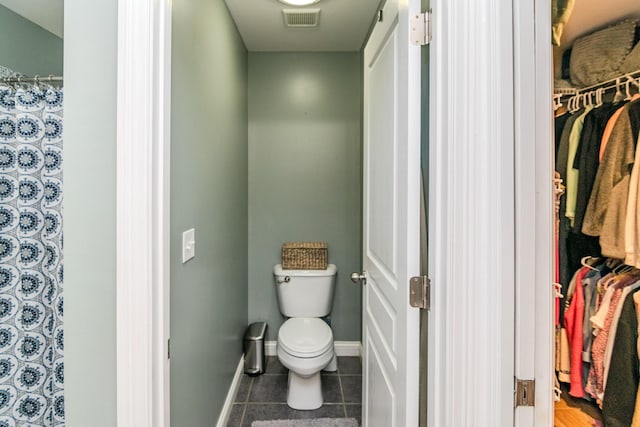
595	382
607	132
566	271
635	422
586	160
573	322
629	284
605	324
560	122
590	284
632	217
612	238
573	174
623	379
611	184
598	160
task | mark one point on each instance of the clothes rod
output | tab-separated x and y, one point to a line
605	85
36	79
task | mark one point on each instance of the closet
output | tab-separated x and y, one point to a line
596	104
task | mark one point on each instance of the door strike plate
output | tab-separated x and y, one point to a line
525	392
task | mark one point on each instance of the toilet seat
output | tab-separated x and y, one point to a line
305	337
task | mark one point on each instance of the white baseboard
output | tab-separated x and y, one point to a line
348	348
343	348
231	394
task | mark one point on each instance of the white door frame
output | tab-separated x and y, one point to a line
143	154
534	207
471	214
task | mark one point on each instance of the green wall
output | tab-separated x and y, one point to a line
305	173
28	48
208	193
303	113
90	212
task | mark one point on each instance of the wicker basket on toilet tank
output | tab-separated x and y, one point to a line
305	256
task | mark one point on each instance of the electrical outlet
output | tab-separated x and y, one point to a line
188	245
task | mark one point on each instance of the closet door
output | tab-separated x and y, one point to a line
391	210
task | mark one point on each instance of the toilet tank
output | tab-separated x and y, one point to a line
305	293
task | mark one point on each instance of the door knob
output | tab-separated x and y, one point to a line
356	277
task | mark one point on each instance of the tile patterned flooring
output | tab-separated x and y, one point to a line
264	397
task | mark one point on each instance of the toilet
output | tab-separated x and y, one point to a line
305	340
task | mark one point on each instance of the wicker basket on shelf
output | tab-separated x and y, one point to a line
305	256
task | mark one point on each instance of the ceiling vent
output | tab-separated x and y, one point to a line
301	17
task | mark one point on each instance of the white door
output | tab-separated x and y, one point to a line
391	210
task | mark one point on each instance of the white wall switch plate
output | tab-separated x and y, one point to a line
188	245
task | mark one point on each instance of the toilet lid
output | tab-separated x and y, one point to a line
305	337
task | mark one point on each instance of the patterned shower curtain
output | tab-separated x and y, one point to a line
31	269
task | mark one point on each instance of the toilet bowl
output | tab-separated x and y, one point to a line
305	340
305	347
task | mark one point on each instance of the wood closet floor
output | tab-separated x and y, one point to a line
566	416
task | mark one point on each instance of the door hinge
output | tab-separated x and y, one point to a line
421	28
168	348
420	292
525	393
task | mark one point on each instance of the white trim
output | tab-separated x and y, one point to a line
342	348
525	92
544	330
231	394
348	348
162	225
143	108
544	327
534	207
471	221
270	348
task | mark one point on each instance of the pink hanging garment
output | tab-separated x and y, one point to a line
573	319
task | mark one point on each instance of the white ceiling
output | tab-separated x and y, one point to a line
46	13
590	15
343	25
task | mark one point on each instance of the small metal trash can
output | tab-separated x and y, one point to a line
254	357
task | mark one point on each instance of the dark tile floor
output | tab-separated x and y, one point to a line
264	397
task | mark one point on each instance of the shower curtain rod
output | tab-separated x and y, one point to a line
35	79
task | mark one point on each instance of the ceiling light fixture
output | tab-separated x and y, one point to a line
299	2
